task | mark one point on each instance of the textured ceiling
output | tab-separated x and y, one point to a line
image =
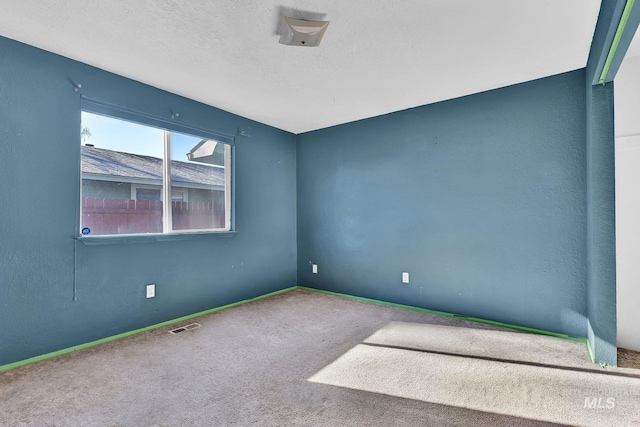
376	56
634	47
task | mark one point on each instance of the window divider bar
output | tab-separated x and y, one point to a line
167	223
227	186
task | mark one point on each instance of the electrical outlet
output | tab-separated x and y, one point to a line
314	268
151	291
405	277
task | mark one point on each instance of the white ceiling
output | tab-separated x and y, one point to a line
376	56
634	47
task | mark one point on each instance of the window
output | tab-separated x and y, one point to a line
129	170
145	193
150	192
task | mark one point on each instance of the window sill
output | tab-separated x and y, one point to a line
146	238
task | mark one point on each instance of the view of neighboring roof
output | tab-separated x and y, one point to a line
109	164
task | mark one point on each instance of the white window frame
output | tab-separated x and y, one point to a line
118	113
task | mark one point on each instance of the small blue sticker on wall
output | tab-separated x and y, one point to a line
86	231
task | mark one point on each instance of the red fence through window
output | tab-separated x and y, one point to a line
121	216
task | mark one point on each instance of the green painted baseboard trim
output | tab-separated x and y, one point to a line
136	331
235	304
443	313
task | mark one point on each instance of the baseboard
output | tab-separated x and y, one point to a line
136	331
458	316
235	304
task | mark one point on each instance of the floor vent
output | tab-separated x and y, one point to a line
185	328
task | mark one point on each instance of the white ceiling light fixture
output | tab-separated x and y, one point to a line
302	32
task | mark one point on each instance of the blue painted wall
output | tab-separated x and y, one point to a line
499	205
601	240
481	199
601	229
39	173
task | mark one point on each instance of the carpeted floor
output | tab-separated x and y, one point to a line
253	365
628	358
523	375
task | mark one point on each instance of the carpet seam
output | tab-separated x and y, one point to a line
497	359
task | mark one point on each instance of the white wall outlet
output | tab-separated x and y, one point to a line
151	291
405	277
314	268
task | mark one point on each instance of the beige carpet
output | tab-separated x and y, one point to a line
249	366
535	377
628	358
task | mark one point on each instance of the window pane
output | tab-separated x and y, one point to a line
198	183
117	158
148	194
178	195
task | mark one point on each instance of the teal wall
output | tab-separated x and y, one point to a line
601	240
481	199
39	191
499	204
601	229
